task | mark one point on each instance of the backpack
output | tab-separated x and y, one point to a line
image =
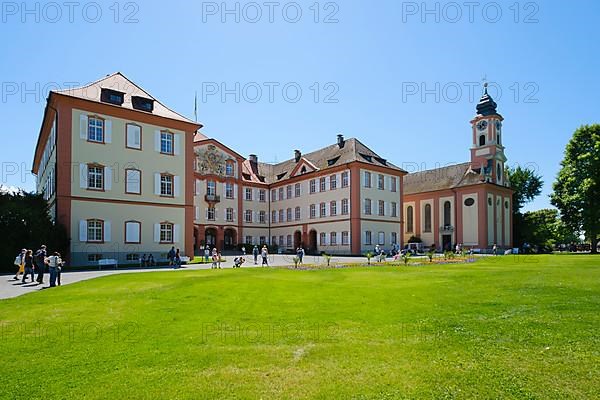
18	260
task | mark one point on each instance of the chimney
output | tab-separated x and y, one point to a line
253	159
297	155
340	140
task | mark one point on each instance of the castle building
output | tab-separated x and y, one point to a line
127	176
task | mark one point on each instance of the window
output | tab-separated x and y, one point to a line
345	179
368	206
281	193
94	257
345	238
248	240
211	214
229	190
313	211
273	240
345	207
262	240
469	202
229	214
333	208
229	168
133	231
394	238
322	210
262	217
262	195
281	216
132	257
289	214
499	173
166	143
322	185
289	191
394	210
332	182
112	96
298	190
427	218
313	186
482	140
367	179
289	241
409	219
393	184
166	232
142	103
248	194
273	195
322	239
297	213
133	136
95	230
166	185
447	213
211	188
248	216
368	238
281	241
381	208
133	181
95	129
95	178
333	238
274	216
381	182
381	240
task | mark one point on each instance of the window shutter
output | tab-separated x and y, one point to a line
176	229
108	131
234	215
157	183
83	127
157	233
83	176
83	230
107	231
157	141
235	190
108	178
177	144
206	214
176	185
197	213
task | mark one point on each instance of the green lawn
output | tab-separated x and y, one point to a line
501	328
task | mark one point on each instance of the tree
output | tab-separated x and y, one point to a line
25	223
544	229
577	187
526	185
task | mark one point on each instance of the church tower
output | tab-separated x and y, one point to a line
487	151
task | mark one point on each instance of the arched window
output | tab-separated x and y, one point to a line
427	218
409	219
482	140
447	215
499	173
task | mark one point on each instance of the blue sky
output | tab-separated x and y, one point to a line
397	75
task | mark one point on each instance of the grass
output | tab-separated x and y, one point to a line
504	327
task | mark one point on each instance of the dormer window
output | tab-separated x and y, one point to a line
142	103
112	97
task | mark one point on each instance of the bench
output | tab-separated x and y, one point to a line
107	261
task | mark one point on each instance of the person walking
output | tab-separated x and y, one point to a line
219	257
300	254
255	253
20	263
206	254
40	263
265	256
54	263
177	260
171	256
495	250
28	263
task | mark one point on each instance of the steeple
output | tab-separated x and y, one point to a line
487	105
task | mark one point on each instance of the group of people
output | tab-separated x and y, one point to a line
29	264
215	256
263	253
147	261
174	257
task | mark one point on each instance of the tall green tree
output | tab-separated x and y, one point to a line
577	187
25	223
527	185
544	230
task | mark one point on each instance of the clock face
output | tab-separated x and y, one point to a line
498	126
482	125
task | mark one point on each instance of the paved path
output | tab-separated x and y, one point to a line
10	288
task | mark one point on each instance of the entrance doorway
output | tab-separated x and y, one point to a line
446	242
312	242
210	238
297	239
230	239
